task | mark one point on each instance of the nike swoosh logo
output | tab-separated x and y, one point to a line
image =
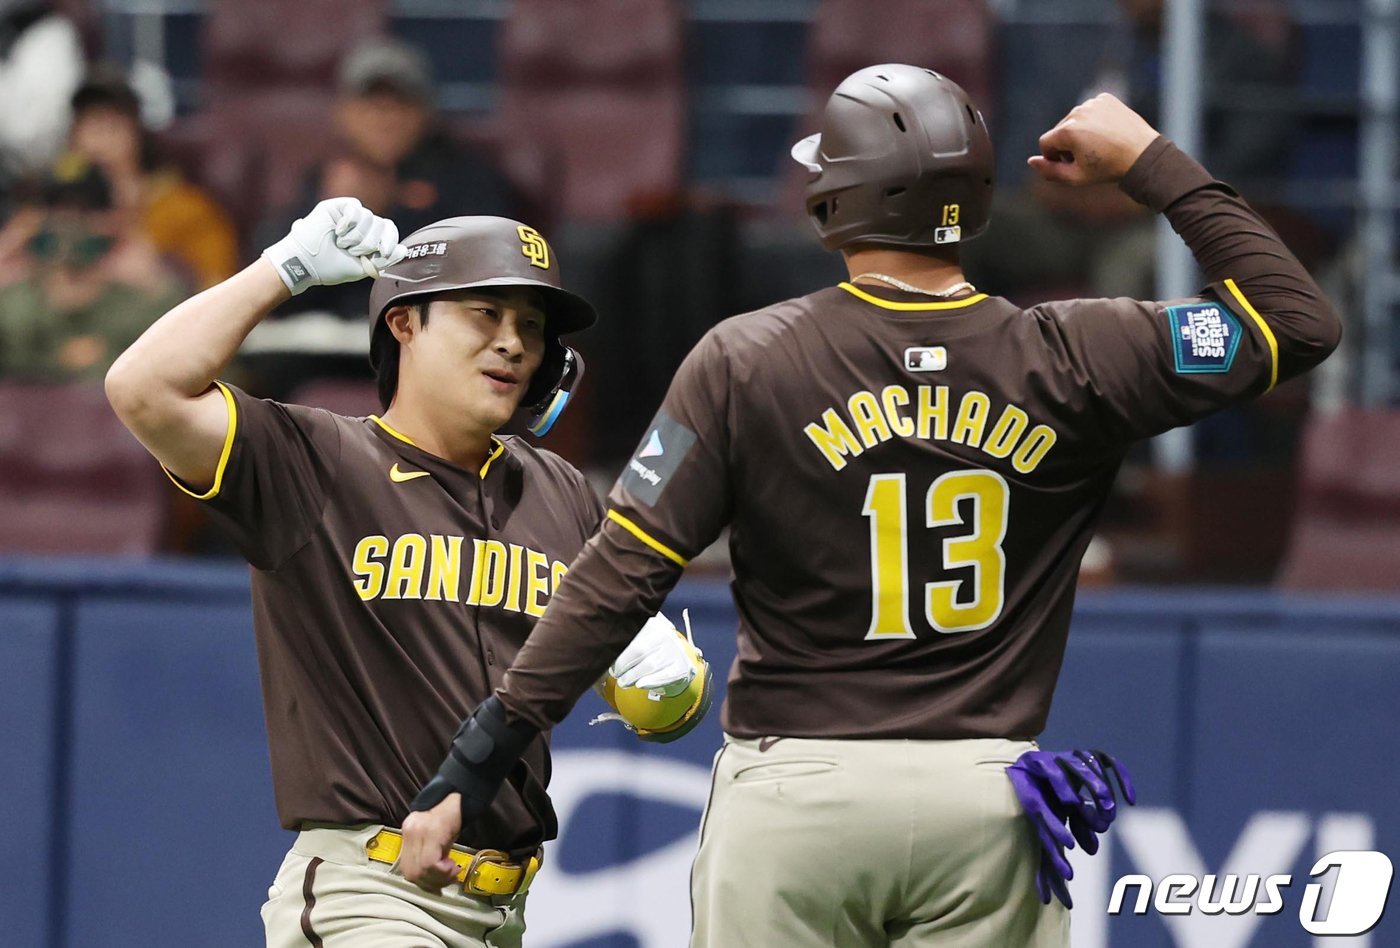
766	742
398	477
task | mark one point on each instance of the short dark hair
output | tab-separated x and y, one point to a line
384	352
106	87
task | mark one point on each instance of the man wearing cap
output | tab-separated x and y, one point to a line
399	561
391	152
386	117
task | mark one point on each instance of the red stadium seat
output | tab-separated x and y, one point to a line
954	37
72	478
289	130
1347	530
601	84
252	152
527	165
215	154
957	38
275	45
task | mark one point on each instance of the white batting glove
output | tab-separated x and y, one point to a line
340	240
655	660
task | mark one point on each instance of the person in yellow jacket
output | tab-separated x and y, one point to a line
183	220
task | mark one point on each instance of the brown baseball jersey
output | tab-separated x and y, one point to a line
910	483
391	589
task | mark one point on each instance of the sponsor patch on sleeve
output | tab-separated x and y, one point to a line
661	452
1204	337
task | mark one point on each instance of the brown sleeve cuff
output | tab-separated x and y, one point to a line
1162	175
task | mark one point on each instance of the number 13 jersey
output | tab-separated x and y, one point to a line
910	483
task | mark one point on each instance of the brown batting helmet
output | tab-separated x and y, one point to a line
903	159
463	252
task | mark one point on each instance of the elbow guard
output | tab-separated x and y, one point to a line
659	719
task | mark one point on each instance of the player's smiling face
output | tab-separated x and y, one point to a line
478	352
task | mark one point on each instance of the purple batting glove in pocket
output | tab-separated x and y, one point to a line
1067	796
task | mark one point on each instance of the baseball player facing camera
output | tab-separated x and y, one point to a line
911	470
400	561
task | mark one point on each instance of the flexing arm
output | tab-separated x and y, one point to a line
1103	140
161	387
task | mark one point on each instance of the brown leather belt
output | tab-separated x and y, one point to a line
486	872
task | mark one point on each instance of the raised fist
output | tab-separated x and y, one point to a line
1098	141
340	240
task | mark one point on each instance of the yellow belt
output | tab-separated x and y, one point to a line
483	872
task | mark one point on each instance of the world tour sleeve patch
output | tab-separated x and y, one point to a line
664	446
1204	337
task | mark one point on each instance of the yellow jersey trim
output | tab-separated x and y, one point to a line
647	538
495	453
910	307
1263	327
397	434
500	446
213	491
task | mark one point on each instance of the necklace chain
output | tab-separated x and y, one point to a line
953	290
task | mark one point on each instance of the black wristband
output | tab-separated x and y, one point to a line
484	751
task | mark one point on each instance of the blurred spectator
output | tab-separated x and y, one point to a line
41	62
1100	242
394	156
81	282
181	219
386	115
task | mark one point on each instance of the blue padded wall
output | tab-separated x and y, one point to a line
137	780
29	726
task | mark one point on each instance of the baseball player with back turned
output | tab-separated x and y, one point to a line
399	562
906	531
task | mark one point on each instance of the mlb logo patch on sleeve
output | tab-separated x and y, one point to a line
1204	337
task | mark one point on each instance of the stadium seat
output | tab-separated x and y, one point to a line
957	38
214	153
1347	529
72	478
954	37
252	152
280	45
529	166
600	83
